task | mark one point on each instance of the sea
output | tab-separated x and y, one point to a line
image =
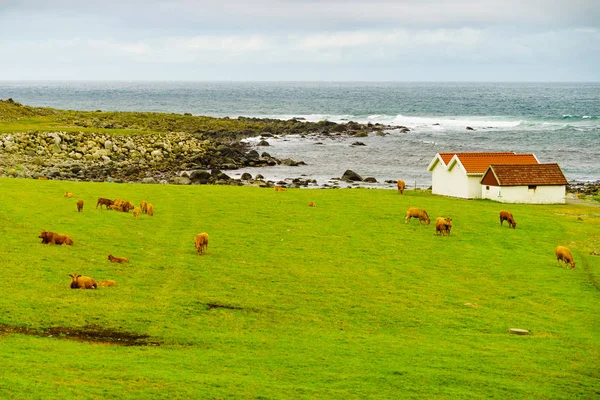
558	122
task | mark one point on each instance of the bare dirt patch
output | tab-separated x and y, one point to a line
89	334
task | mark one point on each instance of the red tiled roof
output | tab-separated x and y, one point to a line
520	175
448	156
475	163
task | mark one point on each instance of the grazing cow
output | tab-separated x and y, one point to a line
280	189
416	213
102	201
68	194
42	178
508	217
79	205
564	254
144	206
125	206
150	210
443	226
136	212
55	238
401	186
82	282
312	204
113	207
201	242
108	282
118	259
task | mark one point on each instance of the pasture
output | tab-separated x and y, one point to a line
341	300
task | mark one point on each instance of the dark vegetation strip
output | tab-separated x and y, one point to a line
89	333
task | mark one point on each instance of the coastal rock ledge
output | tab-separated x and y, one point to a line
150	158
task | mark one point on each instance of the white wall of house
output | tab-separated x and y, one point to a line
451	183
522	194
474	186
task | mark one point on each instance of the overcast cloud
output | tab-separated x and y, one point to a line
427	40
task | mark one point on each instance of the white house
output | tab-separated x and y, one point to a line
533	184
460	174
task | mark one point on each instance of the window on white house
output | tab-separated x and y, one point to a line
532	187
487	188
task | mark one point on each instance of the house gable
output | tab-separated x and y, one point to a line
489	179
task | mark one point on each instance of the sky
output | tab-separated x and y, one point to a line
301	40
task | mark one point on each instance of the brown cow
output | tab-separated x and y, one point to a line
108	282
312	204
564	254
508	217
136	212
118	259
55	238
201	242
401	186
443	226
144	206
280	189
68	194
79	205
416	213
102	201
150	210
82	282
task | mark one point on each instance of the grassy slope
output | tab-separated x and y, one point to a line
342	300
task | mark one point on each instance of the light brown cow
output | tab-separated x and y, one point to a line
108	282
136	212
79	205
401	186
150	210
564	254
443	226
102	201
416	213
55	238
68	194
280	189
201	242
508	217
82	282
144	206
118	259
312	204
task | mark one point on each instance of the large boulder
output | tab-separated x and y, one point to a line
351	176
200	176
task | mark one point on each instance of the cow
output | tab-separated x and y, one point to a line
443	226
280	189
82	282
144	206
312	204
55	238
79	205
108	282
102	201
68	194
401	186
118	259
150	210
508	217
564	254
201	242
416	213
136	212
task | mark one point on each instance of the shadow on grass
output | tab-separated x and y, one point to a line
89	334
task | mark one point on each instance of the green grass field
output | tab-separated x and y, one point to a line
343	300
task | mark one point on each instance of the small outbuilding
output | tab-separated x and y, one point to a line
533	184
460	174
